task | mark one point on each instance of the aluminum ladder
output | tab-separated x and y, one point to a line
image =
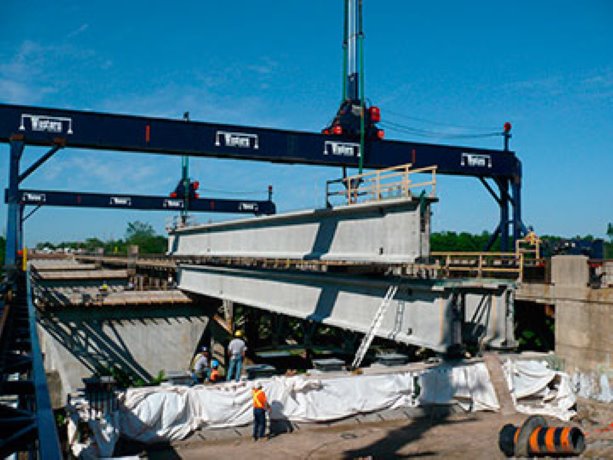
374	326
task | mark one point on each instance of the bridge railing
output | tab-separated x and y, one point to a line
480	264
395	182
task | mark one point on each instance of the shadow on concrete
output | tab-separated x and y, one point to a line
92	346
434	414
323	240
135	449
90	335
279	423
475	328
325	303
396	440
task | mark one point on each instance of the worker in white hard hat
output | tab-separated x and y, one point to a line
200	366
236	352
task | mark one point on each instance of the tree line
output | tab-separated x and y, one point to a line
137	233
149	242
463	241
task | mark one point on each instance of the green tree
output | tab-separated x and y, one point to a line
143	235
139	230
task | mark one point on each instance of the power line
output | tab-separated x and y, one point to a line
235	192
439	123
435	134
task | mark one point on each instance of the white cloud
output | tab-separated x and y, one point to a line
78	31
203	104
36	70
595	84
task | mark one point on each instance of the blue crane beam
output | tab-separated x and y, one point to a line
102	131
141	202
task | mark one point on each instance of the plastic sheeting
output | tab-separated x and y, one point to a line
537	389
171	413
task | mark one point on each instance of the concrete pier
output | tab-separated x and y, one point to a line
583	315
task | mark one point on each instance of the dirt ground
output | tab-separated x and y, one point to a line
471	436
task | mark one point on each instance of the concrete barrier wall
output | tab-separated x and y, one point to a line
140	341
386	231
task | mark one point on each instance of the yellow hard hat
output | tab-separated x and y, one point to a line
238	334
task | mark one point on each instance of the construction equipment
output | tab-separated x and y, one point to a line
535	438
374	326
354	120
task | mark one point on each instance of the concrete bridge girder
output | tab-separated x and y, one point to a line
391	231
439	315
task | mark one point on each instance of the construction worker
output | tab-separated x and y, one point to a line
200	366
214	376
260	406
236	351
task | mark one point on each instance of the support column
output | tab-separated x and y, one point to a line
503	185
277	325
20	236
252	327
13	225
518	226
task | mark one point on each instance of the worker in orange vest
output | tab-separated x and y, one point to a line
214	376
260	406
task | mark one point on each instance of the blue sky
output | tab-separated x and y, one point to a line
545	66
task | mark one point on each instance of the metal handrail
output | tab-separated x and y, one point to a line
380	184
482	262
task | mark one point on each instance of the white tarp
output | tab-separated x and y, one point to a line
469	385
171	413
537	389
157	414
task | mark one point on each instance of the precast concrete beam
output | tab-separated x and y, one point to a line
439	315
388	231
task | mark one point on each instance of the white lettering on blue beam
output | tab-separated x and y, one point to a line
237	140
345	149
46	123
476	160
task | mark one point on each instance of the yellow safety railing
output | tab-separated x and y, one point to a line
394	182
480	264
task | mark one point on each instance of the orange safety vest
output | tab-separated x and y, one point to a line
259	399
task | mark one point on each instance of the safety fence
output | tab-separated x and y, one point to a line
395	182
